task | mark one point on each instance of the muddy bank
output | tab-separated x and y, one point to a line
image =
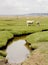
4	62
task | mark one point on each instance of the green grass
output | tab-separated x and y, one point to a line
17	26
1	57
3	53
37	39
4	37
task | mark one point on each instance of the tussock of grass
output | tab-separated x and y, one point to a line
3	53
36	38
4	36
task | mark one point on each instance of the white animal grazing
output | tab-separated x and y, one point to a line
29	22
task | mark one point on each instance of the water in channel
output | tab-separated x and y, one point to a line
17	51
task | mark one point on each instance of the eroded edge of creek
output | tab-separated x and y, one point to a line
15	37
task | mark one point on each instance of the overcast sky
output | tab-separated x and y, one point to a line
13	7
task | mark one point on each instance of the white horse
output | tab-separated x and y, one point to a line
29	22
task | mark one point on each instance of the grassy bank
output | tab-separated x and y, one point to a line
38	56
3	53
4	36
37	39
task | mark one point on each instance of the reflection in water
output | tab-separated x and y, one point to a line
17	52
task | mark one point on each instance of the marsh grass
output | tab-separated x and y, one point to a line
10	26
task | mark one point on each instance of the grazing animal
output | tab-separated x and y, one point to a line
38	22
29	22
